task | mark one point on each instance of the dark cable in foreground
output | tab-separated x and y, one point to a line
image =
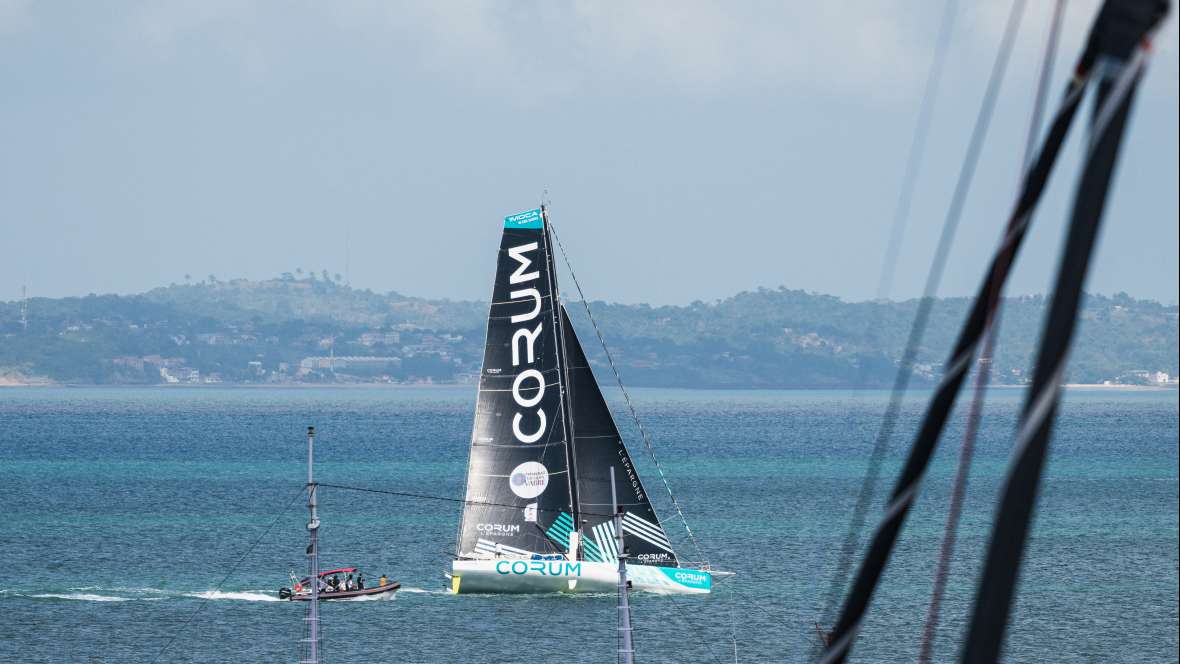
941	403
983	373
922	316
1120	43
868	488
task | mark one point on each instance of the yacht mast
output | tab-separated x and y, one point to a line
311	644
626	646
564	380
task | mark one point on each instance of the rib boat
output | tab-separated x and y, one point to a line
300	591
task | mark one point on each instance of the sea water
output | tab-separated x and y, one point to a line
157	524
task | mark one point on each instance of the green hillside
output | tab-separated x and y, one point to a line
310	330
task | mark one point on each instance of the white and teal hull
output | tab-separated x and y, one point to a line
563	576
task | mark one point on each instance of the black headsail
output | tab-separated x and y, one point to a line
597	448
518	480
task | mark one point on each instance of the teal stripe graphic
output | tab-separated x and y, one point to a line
560	530
592	552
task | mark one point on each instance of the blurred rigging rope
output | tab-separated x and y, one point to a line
1119	44
200	607
942	402
900	216
934	276
991	329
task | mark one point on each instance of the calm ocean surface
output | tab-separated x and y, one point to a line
123	509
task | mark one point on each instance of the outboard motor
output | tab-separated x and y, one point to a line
284	593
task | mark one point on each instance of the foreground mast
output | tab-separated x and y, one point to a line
626	646
311	643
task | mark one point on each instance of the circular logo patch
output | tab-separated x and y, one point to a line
529	479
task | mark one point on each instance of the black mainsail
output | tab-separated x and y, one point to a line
518	470
544	441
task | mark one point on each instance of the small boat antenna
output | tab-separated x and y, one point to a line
311	642
626	646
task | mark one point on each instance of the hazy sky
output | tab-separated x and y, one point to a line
691	149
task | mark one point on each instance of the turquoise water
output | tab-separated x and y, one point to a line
125	508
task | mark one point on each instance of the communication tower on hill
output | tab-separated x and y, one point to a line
24	310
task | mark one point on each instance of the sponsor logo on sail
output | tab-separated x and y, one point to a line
529	479
630	471
530	219
498	529
528	389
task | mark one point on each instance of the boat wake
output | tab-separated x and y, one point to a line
241	596
99	594
383	597
84	597
422	591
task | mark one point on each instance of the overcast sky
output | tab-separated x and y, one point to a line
691	149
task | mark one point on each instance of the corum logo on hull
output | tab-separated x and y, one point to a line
543	568
692	578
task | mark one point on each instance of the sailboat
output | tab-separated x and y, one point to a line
538	514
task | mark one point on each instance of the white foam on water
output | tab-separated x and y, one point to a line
124	590
406	589
369	598
84	597
241	596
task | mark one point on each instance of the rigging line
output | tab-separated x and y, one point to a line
900	216
933	277
627	398
690	625
913	165
234	568
941	403
983	373
1116	25
449	499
